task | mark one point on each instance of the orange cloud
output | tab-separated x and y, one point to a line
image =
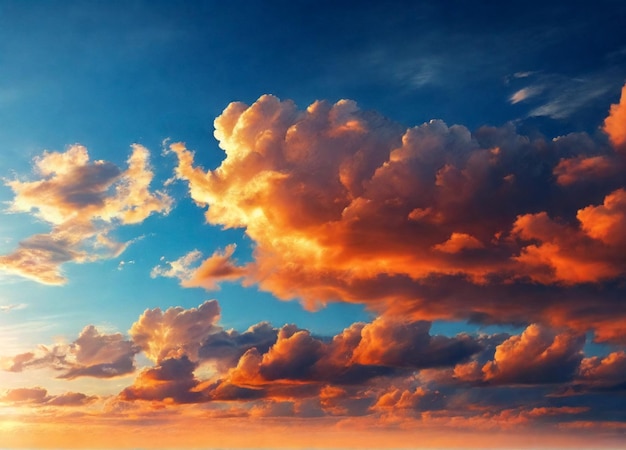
538	355
606	222
615	123
220	266
83	202
608	372
582	168
344	205
562	253
459	242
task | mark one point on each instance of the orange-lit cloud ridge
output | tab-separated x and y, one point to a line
383	375
429	222
82	201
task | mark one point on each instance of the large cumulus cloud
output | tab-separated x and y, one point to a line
344	205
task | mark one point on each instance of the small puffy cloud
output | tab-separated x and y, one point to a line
226	347
293	356
92	354
123	264
171	380
39	397
220	266
180	268
606	222
26	395
82	201
71	399
608	372
538	355
398	344
581	168
554	252
176	331
459	242
420	399
100	355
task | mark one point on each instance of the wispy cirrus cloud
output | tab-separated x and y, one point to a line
12	307
560	97
525	93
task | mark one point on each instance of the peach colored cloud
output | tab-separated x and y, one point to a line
92	354
38	396
82	201
219	266
171	380
175	332
606	222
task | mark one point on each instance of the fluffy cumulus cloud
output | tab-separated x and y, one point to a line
277	363
176	331
536	356
389	369
82	201
344	205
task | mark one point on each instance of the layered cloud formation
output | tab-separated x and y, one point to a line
343	205
396	372
432	222
82	201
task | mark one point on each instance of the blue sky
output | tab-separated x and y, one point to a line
107	75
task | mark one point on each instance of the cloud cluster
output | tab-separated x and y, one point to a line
390	369
393	370
286	362
344	205
82	201
92	354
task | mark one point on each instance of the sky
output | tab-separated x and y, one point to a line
312	224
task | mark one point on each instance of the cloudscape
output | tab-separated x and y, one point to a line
313	225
